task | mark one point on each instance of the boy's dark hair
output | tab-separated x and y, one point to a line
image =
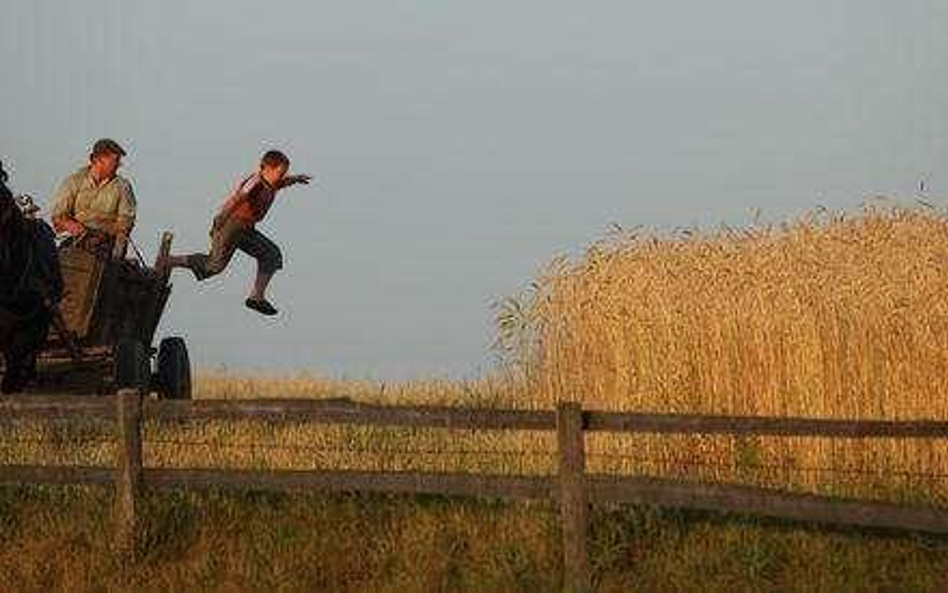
274	158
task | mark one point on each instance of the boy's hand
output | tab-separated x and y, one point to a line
294	179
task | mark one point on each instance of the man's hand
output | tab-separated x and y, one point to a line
120	228
70	226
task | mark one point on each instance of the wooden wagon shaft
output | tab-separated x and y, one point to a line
164	252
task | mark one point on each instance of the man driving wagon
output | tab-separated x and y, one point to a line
112	305
96	206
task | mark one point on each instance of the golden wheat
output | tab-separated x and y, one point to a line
830	316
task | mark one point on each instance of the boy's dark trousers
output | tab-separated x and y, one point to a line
232	235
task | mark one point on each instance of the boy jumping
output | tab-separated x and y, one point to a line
234	227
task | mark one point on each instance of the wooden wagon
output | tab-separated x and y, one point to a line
102	337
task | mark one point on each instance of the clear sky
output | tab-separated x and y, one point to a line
458	146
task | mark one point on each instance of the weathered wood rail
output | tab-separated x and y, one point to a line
573	488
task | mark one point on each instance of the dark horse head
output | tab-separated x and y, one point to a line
11	227
6	196
30	285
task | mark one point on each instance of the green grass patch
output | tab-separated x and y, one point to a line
61	539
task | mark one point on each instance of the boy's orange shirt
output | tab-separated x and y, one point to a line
253	196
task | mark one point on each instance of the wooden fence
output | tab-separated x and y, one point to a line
572	488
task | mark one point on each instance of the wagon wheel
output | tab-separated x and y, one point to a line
132	367
174	369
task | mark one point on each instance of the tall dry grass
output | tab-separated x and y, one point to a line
830	316
305	445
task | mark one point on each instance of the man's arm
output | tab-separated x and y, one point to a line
62	215
127	211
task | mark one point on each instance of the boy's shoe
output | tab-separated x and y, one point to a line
261	306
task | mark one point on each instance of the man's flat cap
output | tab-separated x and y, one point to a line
107	146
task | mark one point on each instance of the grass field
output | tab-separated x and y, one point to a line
60	540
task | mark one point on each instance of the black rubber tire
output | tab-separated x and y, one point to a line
174	369
132	365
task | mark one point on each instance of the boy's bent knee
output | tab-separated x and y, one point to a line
272	262
205	267
215	266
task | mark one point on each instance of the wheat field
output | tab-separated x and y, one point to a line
827	316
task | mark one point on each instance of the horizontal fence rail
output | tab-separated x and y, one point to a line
443	483
762	426
573	488
45	407
341	411
603	489
765	502
56	474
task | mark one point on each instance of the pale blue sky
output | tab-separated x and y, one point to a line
458	146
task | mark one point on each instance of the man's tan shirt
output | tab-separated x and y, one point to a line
98	207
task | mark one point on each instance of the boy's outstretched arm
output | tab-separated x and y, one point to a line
291	180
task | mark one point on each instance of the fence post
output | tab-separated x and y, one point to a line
128	468
573	496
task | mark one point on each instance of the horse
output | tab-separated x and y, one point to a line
31	287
